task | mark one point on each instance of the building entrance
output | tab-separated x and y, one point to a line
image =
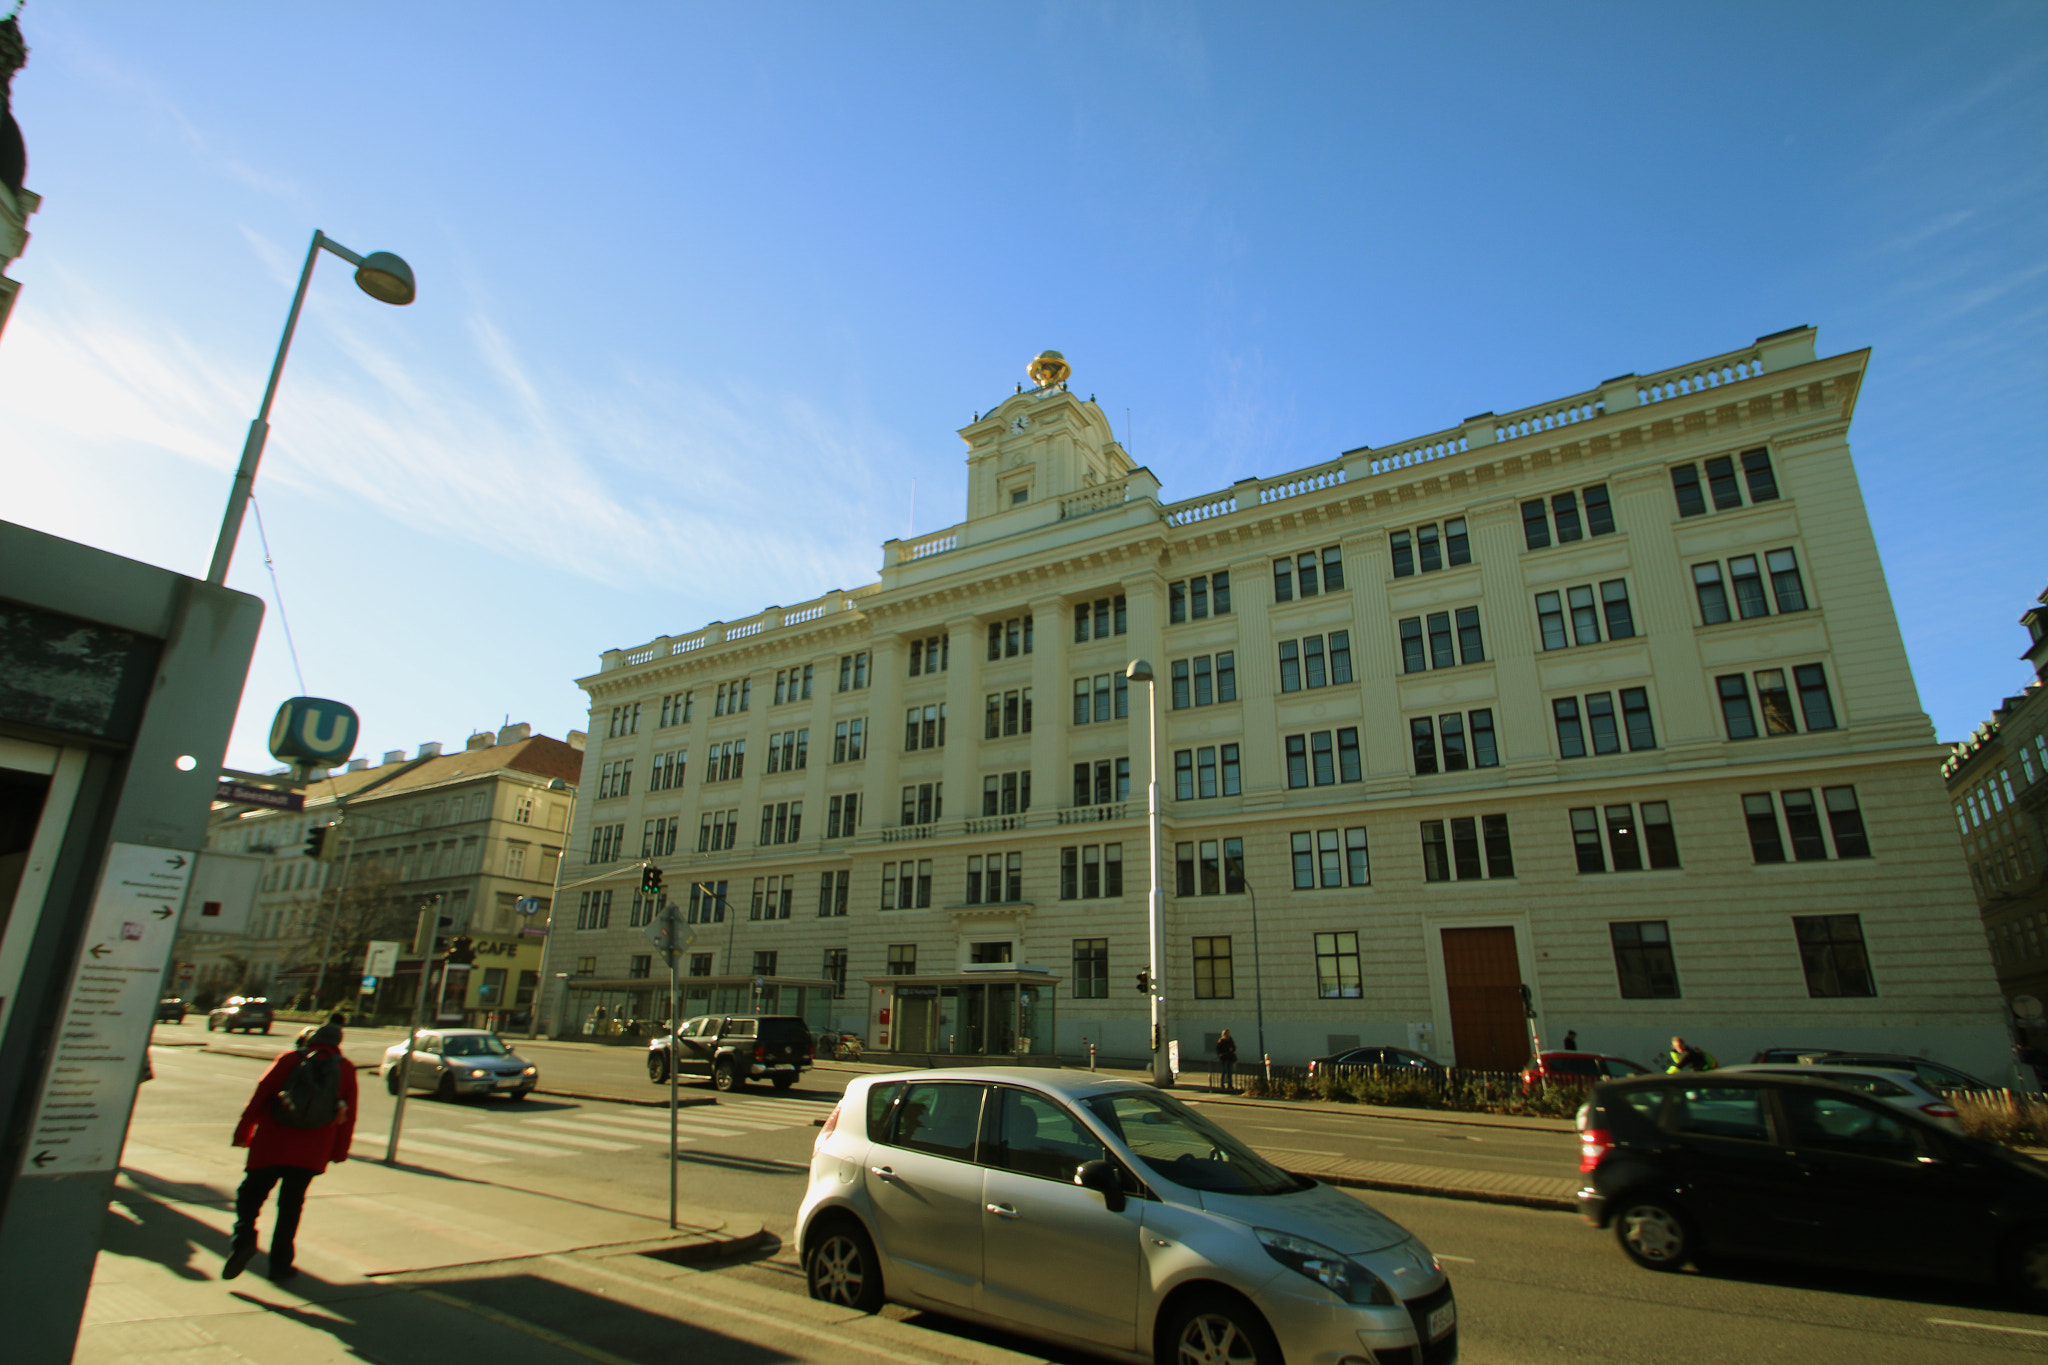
1484	979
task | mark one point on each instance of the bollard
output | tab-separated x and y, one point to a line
1266	1064
1091	1056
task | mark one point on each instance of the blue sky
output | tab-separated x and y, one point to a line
705	290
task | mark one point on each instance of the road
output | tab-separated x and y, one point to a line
1533	1286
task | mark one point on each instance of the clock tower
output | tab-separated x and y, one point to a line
1039	445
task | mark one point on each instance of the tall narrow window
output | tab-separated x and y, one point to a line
1761	814
1337	976
1832	952
1585	621
1457	544
1643	961
1297	760
1845	821
1586	840
1550	620
1465	848
1340	656
1786	584
1564	511
1635	711
1535	524
1802	823
1436	860
1212	969
1349	766
1283	580
1685	483
1658	836
1599	511
1721	483
1314	671
1440	653
1429	550
1403	553
1775	702
1756	469
1290	666
1747	580
1422	738
1471	648
1735	709
1600	723
1485	754
1412	657
1814	701
1500	853
1621	624
1624	839
1713	595
1453	726
1571	735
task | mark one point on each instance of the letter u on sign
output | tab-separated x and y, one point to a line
314	731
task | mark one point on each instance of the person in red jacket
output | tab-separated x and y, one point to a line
286	1157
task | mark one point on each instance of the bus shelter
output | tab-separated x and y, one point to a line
1008	1013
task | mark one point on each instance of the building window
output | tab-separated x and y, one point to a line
1007	713
792	684
930	654
923	803
657	840
1629	840
726	762
1564	510
1832	952
1447	646
625	720
774	897
717	830
1802	823
1452	849
835	971
1091	872
1575	615
789	751
1212	969
1643	961
1845	822
700	964
1454	742
1760	811
1209	867
842	816
607	844
586	966
1103	782
995	878
832	889
903	959
781	822
1102	698
1722	484
849	741
1746	577
924	727
666	771
1427	550
615	779
853	671
764	962
907	885
1816	708
594	910
676	708
1308	573
1329	858
1323	757
1009	638
1598	730
1091	969
1196	599
639	965
1212	770
1099	619
1206	680
1308	663
1006	793
733	697
1337	976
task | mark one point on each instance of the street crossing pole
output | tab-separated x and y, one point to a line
424	940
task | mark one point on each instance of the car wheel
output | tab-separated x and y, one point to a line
784	1082
445	1091
2027	1269
391	1080
212	1024
657	1067
1219	1329
725	1076
266	1030
1654	1234
841	1268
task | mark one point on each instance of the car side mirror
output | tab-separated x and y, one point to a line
1101	1177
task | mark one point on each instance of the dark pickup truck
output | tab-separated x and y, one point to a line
730	1050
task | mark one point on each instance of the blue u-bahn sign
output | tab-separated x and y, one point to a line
314	732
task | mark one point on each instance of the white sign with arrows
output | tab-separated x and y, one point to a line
105	1031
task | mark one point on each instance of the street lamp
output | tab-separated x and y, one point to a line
1258	976
381	275
1162	1071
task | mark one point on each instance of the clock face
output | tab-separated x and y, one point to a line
1020	424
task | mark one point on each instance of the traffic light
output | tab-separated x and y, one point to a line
1144	983
316	839
461	950
650	881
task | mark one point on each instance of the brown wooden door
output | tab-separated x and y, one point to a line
1489	1029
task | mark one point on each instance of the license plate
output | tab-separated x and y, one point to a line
1441	1321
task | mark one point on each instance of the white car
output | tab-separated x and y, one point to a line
1105	1215
1900	1089
453	1062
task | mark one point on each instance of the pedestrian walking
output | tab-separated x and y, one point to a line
302	1116
1226	1057
1571	1040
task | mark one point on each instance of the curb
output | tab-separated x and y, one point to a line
717	1248
1526	1201
1516	1122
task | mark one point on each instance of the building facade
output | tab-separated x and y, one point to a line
1998	783
1599	705
476	832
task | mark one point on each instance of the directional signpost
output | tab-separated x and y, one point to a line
667	933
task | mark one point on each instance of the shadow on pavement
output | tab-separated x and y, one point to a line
1865	1284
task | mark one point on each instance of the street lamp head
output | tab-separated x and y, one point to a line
386	278
1139	671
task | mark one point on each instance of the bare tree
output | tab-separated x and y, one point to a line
373	904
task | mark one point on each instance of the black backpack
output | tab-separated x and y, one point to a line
311	1097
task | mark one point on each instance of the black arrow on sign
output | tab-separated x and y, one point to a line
162	912
43	1158
178	861
99	950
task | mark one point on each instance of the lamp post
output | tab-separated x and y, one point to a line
1258	976
383	277
1162	1070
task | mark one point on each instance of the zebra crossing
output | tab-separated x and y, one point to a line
447	1135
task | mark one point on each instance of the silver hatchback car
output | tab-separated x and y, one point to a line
1106	1215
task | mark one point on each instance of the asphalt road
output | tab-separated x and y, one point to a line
1533	1286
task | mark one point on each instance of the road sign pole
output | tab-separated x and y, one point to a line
673	925
428	932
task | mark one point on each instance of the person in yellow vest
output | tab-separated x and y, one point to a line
1685	1057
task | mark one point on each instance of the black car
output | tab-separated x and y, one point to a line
1390	1058
247	1013
730	1050
1784	1168
170	1010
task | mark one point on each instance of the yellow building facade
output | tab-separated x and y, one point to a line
1599	706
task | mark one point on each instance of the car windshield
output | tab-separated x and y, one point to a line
1181	1145
475	1045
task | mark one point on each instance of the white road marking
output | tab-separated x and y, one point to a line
1988	1327
506	1144
1462	1260
1298	1151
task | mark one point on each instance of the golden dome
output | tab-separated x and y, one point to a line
1048	368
